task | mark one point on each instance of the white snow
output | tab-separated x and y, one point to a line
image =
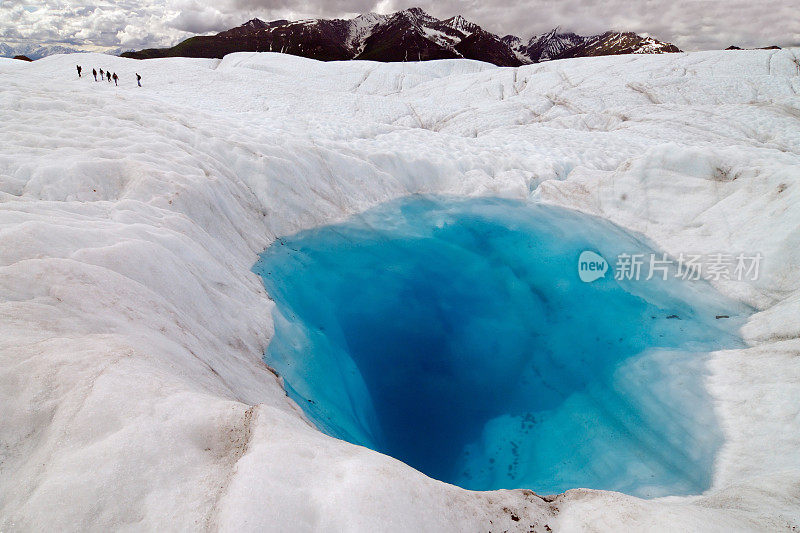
132	390
462	25
360	28
441	38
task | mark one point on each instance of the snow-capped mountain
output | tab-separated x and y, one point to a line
34	51
552	44
461	24
408	35
360	28
615	43
37	51
557	44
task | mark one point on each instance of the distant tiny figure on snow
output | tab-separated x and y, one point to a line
102	74
115	78
138	80
79	70
94	73
108	75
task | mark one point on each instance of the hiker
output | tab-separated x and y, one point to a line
94	73
138	80
79	70
108	76
115	78
102	75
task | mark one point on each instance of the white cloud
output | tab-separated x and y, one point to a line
198	17
691	24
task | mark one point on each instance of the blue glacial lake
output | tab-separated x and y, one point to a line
457	336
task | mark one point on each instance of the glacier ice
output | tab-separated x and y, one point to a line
133	393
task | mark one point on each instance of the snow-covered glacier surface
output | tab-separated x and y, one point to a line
133	393
457	336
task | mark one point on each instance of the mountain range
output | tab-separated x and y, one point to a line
38	51
34	51
408	35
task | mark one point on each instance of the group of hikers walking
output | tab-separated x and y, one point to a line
107	75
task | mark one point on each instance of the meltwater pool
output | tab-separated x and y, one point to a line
457	336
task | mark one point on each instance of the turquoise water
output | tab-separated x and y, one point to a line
456	336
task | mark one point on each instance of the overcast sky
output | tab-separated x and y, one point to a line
690	24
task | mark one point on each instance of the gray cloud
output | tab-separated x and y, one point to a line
690	24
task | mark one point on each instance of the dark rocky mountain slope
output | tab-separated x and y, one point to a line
408	35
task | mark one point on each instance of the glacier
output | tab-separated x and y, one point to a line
133	393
